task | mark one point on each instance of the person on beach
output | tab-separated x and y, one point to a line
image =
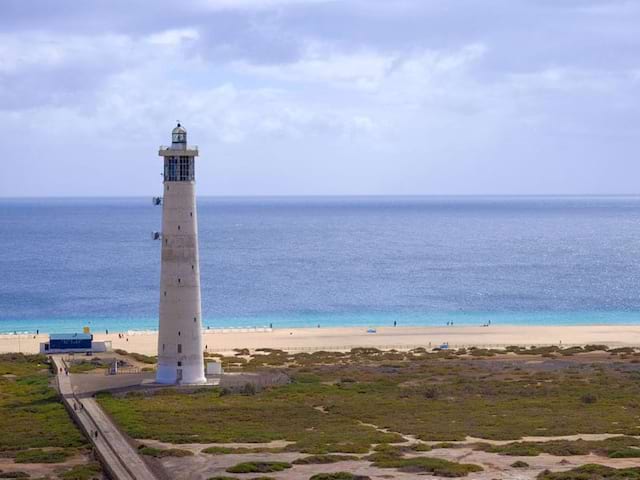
395	323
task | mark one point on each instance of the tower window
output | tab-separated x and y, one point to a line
178	280
194	319
170	169
191	213
179	348
166	241
192	267
178	333
179	364
163	347
165	293
185	169
178	227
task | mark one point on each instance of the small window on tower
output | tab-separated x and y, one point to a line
165	293
179	348
178	280
178	333
178	227
191	213
163	347
194	319
179	364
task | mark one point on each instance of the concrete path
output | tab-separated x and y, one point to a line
118	457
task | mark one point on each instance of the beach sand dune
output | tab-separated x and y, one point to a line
311	339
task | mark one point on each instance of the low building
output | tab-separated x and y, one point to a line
73	343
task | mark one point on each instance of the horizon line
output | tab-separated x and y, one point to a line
363	195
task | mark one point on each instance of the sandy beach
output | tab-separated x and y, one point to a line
310	339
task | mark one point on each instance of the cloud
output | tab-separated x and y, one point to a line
324	96
256	4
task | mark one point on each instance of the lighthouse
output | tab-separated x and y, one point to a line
180	358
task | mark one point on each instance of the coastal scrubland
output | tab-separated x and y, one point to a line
36	428
412	412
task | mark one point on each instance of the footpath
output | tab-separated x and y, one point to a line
118	457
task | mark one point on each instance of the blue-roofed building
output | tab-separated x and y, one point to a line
68	342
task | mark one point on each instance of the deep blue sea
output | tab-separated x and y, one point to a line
333	261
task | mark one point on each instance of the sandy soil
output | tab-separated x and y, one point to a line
202	466
309	339
37	470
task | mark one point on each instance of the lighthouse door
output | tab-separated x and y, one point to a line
179	376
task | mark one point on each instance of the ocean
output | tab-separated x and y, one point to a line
328	261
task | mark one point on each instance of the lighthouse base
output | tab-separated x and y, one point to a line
189	375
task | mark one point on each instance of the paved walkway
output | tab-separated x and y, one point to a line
117	455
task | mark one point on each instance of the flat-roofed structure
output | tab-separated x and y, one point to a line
73	343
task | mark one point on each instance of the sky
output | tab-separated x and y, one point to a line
322	97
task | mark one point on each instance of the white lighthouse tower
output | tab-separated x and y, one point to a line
180	358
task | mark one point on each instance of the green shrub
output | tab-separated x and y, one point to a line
26	399
592	472
339	476
42	456
162	452
323	459
90	471
433	466
259	467
625	453
520	464
14	474
240	450
225	477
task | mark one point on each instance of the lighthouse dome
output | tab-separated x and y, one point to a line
179	129
179	136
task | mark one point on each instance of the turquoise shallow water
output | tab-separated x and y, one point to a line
300	262
354	320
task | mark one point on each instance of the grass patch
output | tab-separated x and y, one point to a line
164	452
208	417
89	471
240	450
592	472
339	476
14	474
615	447
323	459
42	456
138	357
520	464
30	409
225	477
259	467
84	366
433	396
433	466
